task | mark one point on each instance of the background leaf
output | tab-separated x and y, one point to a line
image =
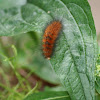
97	84
11	3
48	96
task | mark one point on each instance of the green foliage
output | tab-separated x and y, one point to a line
49	96
97	75
75	54
11	3
11	93
75	62
23	56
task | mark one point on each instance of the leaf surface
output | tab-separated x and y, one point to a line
11	3
75	53
48	96
74	58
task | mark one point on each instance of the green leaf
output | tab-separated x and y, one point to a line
74	59
11	3
48	96
18	20
97	96
97	84
75	53
97	75
56	88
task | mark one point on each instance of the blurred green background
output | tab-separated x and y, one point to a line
23	69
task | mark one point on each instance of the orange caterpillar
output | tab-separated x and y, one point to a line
49	38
